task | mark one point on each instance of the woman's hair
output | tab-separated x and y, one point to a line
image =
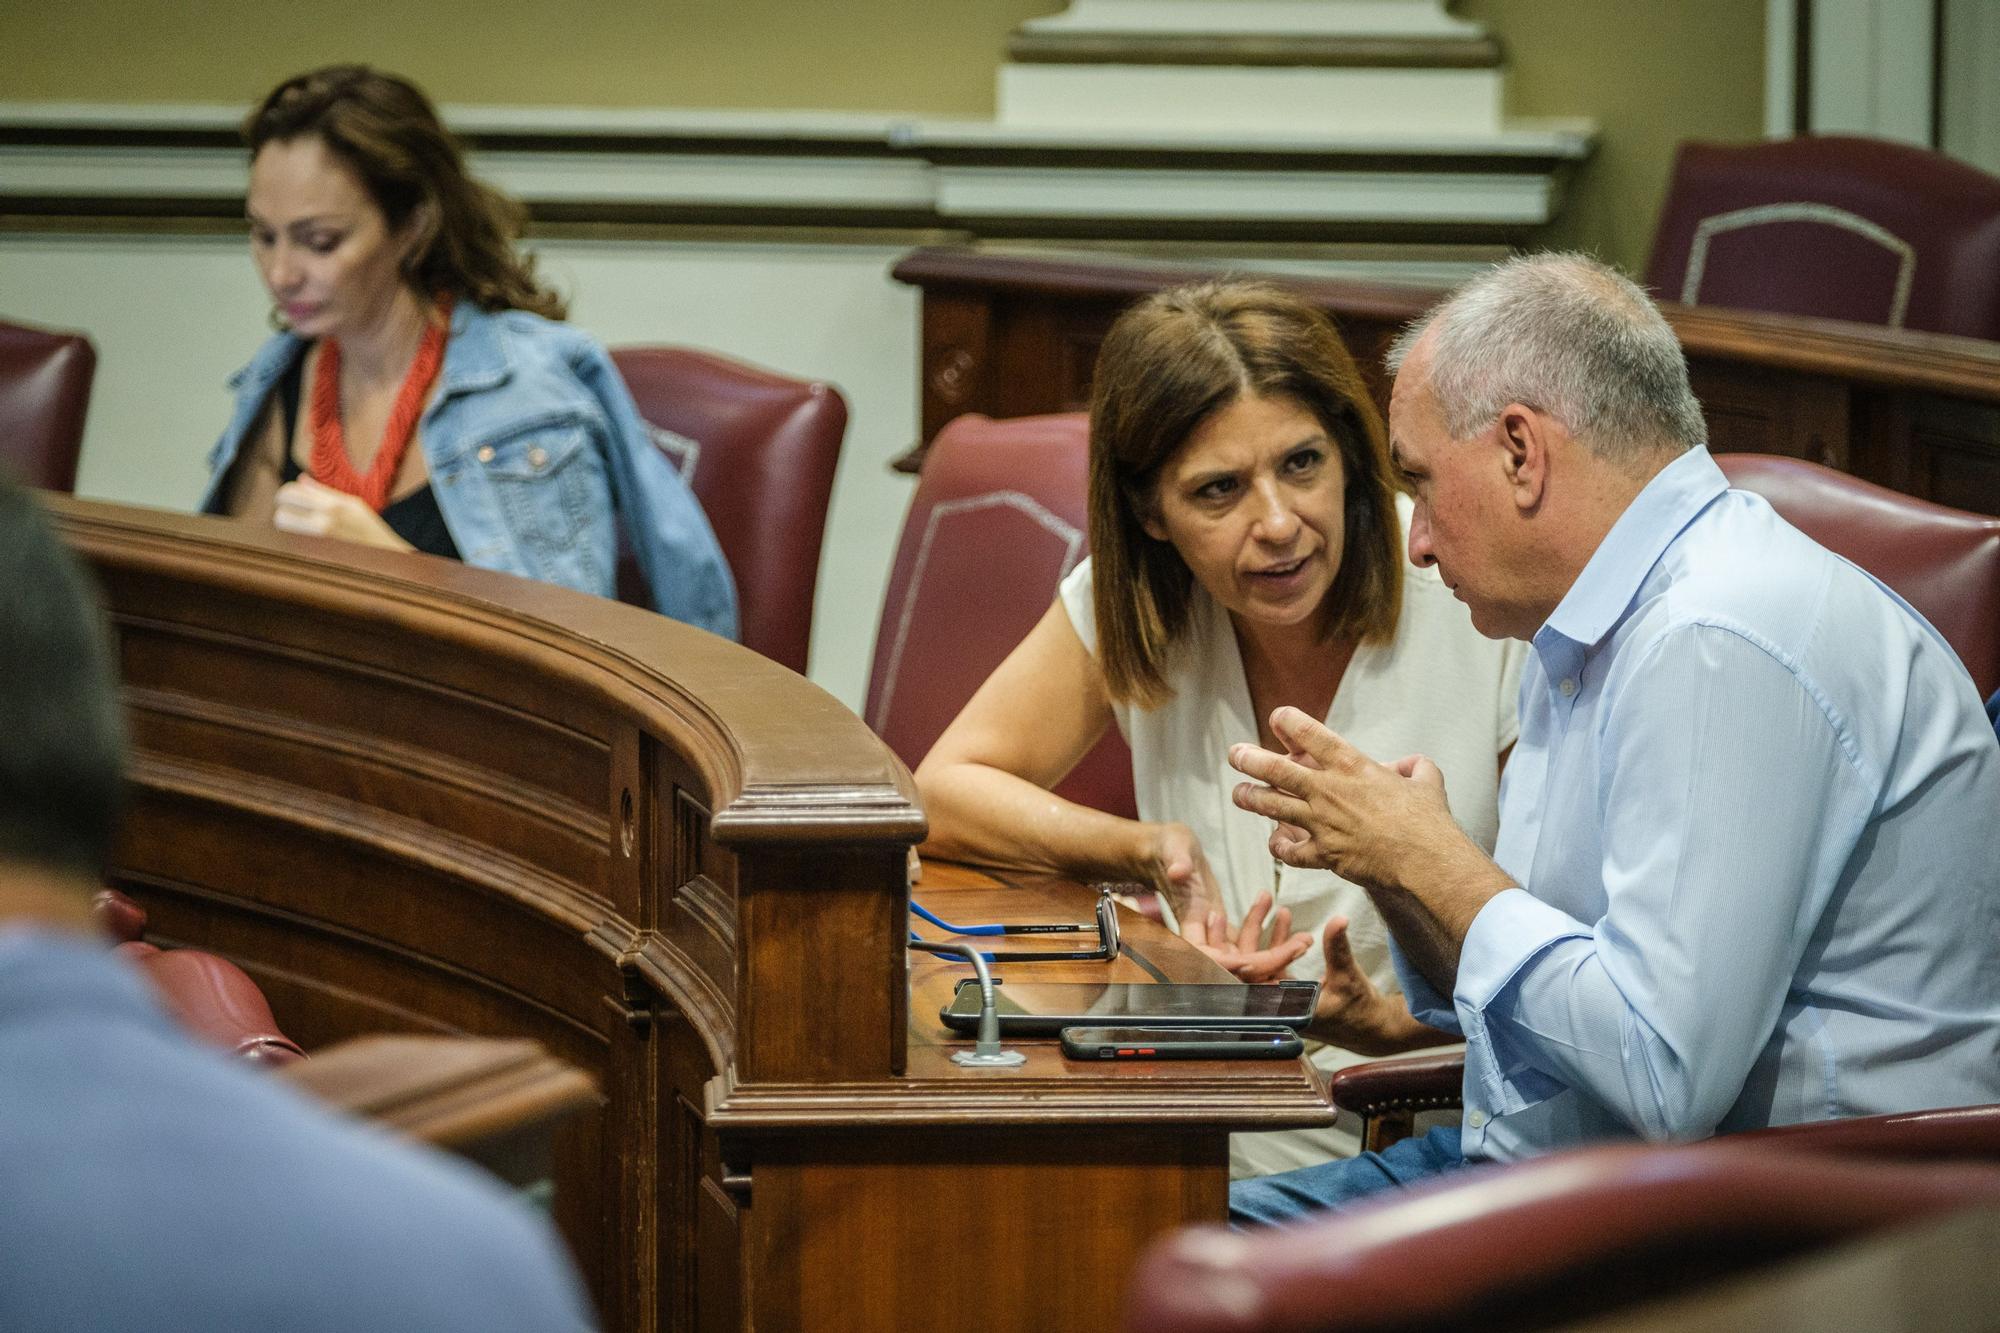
1169	363
389	135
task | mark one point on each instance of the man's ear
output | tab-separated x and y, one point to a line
1526	437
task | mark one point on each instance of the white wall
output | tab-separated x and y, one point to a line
173	316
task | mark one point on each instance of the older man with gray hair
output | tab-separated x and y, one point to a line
1748	870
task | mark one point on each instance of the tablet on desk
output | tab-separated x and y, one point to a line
1044	1008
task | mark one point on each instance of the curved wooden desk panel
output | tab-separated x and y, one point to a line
1016	334
409	796
412	796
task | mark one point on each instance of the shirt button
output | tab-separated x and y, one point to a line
538	457
485	453
1476	1119
1568	686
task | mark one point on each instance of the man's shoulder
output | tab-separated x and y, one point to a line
1740	565
225	1188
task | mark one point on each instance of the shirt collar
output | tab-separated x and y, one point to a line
476	355
1598	599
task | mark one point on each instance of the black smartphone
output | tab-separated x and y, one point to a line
1181	1043
1044	1008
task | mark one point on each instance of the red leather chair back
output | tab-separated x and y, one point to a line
1540	1243
997	521
44	391
1945	562
766	449
1834	226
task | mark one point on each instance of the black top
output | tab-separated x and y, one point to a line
415	518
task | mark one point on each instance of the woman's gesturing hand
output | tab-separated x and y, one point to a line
1243	950
1179	869
305	506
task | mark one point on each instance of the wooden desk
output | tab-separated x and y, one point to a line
411	796
1011	335
1009	1198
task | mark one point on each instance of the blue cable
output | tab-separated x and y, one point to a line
943	924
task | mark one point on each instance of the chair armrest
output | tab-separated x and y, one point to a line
1387	1094
215	1001
1538	1244
1957	1133
1413	1083
493	1102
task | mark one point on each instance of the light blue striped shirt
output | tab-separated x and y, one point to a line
1755	811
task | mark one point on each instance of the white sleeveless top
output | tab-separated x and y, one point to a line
1439	688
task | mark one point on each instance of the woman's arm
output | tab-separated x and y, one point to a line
683	562
985	787
985	783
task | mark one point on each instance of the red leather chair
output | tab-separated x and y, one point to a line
44	392
214	1000
1834	226
1538	1244
997	521
1945	562
766	447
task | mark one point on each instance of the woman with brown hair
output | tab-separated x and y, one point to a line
1247	552
409	320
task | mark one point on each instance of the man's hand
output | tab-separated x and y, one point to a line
1339	810
1384	827
305	506
1353	1014
1243	951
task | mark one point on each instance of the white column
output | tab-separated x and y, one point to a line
1781	76
1971	77
1872	69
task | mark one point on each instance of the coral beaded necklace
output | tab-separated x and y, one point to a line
330	463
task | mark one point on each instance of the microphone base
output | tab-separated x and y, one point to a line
991	1060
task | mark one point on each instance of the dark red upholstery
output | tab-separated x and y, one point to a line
1537	1244
209	996
1956	1133
1845	228
997	520
44	392
1945	562
767	449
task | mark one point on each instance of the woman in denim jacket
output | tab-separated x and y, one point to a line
412	321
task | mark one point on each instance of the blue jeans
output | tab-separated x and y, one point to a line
1292	1195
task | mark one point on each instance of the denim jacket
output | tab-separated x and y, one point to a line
532	443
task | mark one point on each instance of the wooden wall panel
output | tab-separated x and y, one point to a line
1916	412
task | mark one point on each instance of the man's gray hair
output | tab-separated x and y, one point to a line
1570	336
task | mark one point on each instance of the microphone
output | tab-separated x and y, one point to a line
986	1052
